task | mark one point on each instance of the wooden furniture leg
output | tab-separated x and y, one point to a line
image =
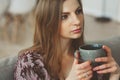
6	27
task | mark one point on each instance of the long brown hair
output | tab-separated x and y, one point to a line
47	38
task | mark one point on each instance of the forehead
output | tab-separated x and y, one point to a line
70	5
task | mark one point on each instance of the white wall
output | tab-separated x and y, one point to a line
92	7
118	18
112	7
95	7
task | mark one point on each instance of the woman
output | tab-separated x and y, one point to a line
58	34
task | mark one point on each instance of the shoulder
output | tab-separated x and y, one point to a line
30	65
32	57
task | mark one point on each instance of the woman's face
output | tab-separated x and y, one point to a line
72	20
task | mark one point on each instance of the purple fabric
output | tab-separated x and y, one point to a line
30	67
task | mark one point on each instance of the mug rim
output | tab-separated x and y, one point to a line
97	45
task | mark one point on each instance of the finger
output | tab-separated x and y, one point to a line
109	70
102	59
101	67
86	76
107	49
77	57
84	65
84	70
89	77
104	66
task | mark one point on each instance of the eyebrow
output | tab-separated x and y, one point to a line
68	12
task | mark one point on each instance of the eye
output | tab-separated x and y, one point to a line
64	17
78	11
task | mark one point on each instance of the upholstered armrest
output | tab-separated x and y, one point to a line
7	67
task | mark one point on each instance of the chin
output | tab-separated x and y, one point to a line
76	36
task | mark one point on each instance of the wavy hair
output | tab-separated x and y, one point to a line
47	34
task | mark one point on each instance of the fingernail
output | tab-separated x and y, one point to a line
103	46
93	69
75	54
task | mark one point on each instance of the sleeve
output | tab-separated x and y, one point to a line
30	67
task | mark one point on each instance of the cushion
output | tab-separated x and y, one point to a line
7	67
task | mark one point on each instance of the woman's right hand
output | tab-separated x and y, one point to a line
80	71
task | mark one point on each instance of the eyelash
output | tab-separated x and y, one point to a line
79	11
64	17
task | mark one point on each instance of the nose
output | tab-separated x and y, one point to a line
75	19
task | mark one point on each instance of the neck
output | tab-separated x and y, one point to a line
66	59
65	44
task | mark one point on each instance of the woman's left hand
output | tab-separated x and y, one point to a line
109	66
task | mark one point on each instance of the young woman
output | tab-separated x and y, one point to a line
58	34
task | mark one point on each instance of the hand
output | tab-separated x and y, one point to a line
110	65
80	71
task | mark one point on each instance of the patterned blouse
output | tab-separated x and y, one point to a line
30	67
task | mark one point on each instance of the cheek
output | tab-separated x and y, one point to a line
65	26
64	30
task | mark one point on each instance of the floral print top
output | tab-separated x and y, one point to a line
30	67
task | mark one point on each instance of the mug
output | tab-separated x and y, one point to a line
91	52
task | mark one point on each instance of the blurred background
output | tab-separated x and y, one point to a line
102	21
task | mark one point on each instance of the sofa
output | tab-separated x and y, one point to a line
7	64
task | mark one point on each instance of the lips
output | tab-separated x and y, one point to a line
77	30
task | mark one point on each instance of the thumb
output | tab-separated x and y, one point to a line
76	57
